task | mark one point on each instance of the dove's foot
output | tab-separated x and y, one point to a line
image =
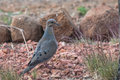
48	66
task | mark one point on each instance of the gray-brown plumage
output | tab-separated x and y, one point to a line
46	47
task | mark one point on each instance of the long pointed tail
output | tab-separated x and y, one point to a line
27	70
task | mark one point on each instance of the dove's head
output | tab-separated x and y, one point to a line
52	23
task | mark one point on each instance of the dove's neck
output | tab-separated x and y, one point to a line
49	32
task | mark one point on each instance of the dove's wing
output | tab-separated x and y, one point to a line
47	50
38	47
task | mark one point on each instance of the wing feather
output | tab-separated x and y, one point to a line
46	51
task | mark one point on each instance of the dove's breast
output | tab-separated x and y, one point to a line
48	48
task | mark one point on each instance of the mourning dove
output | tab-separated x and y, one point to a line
46	47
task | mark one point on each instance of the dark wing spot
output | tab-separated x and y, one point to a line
45	52
35	63
40	54
38	58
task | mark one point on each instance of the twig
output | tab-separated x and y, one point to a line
73	25
12	46
21	30
77	32
14	51
25	42
8	26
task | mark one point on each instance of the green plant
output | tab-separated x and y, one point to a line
88	41
6	19
82	10
1	10
114	40
104	65
7	16
9	75
34	74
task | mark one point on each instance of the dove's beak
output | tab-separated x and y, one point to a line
57	24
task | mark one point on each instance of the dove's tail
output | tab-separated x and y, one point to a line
27	70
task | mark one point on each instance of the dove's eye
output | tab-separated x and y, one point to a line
52	22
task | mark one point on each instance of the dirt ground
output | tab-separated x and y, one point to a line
69	54
43	7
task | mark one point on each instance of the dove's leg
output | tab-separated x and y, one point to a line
47	65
